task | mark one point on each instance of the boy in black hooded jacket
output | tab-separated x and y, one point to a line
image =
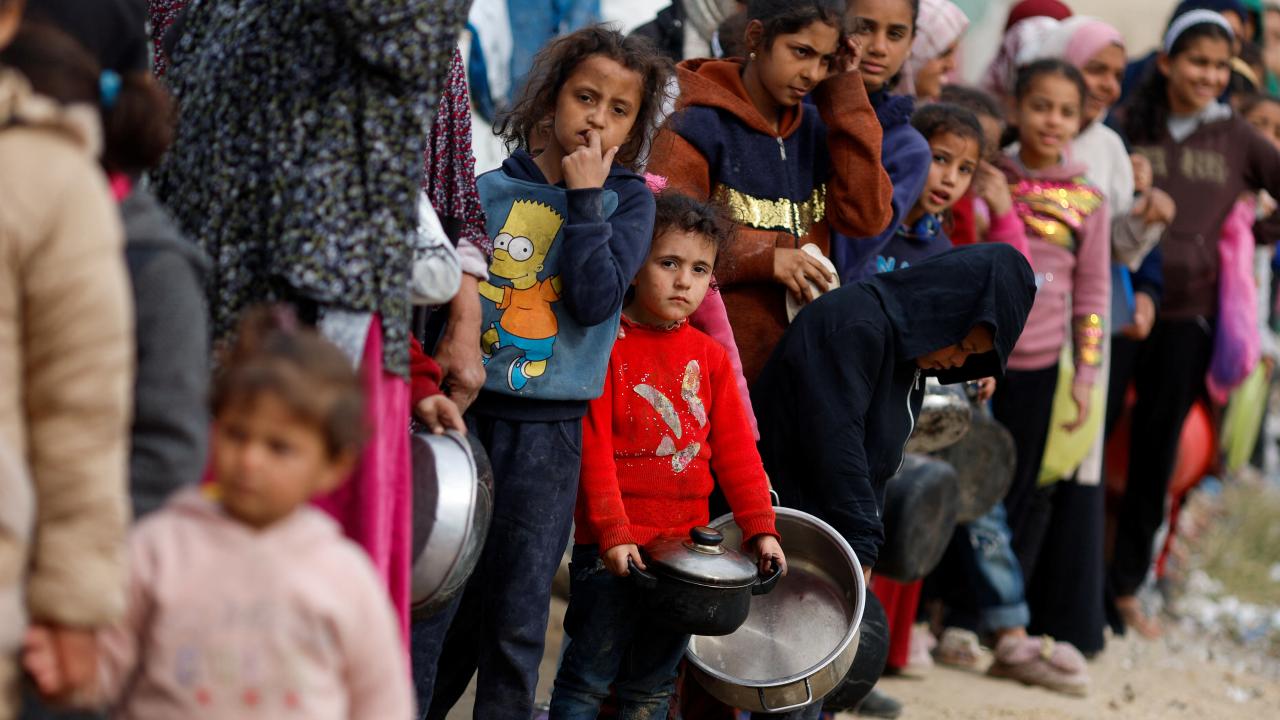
839	396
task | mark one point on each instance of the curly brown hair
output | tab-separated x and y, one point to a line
679	212
556	62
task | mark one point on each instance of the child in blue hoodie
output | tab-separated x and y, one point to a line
571	226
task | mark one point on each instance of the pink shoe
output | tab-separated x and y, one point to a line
1041	661
920	655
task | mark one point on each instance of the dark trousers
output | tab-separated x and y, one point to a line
1023	403
613	642
1168	371
500	622
1067	594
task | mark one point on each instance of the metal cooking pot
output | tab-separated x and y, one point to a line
944	417
799	641
984	464
919	517
868	665
452	506
698	585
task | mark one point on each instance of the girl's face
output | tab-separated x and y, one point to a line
979	340
955	160
885	30
599	95
1198	75
934	74
1265	116
268	462
795	63
674	278
1103	75
1048	119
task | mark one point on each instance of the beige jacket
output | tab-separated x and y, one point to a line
66	365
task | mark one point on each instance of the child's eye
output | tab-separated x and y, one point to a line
701	269
584	98
669	264
280	447
897	35
620	111
802	52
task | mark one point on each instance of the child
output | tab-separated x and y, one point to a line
885	30
934	52
246	602
787	170
666	379
1205	157
571	228
1066	224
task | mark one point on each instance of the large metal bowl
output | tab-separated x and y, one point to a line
798	641
452	507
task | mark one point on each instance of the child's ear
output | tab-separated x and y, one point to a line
753	35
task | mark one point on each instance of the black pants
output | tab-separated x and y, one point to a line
1066	595
1168	371
1023	403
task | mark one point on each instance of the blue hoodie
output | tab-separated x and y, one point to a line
562	262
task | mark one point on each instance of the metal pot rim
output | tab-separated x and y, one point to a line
849	635
454	443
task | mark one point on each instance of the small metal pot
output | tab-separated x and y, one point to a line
452	507
919	517
984	463
699	586
944	417
798	642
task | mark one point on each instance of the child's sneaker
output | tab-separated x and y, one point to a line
1041	661
919	657
959	648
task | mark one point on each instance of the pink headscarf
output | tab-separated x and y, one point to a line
1077	39
1022	44
941	23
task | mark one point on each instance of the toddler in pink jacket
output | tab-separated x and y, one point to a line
244	601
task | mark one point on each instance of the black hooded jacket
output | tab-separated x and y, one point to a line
839	396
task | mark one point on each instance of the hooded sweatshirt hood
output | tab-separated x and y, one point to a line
718	84
937	302
148	226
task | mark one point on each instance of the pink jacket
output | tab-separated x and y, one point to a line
224	621
1068	231
712	319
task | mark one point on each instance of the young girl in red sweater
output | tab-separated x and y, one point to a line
669	416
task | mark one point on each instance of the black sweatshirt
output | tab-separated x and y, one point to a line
838	398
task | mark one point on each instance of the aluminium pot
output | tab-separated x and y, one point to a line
452	507
944	417
799	641
698	585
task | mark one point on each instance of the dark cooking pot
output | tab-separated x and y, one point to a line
699	586
984	463
868	664
919	517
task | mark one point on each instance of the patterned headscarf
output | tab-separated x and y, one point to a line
1022	44
1077	39
941	23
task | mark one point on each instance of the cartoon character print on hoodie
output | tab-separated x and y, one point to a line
550	315
838	398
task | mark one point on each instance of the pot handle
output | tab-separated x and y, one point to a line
808	691
646	580
763	586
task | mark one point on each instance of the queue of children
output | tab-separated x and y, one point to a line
729	273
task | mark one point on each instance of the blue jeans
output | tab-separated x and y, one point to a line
995	573
535	22
507	601
612	642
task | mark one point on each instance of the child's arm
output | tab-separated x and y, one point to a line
373	648
119	646
859	192
1091	294
734	458
712	319
601	257
429	401
599	493
1009	228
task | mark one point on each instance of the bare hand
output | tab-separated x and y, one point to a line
458	353
1155	207
588	166
439	413
796	269
769	551
1081	394
986	388
1142	175
849	58
62	661
1144	316
615	559
866	575
990	185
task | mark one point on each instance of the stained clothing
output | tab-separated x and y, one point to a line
296	165
839	396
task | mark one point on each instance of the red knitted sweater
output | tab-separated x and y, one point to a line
669	416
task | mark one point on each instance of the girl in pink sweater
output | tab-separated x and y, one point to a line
244	601
1067	228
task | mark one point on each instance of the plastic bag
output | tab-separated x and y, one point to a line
1237	345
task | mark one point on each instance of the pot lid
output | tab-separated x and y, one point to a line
702	559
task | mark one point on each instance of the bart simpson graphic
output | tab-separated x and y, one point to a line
527	321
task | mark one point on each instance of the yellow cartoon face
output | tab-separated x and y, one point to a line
524	241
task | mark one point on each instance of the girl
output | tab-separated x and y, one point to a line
933	52
634	491
571	227
1205	157
243	601
1067	228
885	29
787	170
